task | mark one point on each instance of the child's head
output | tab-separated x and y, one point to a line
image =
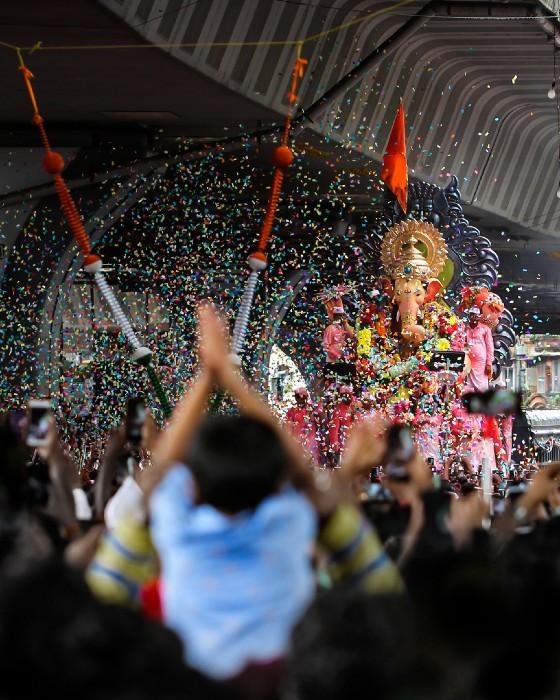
236	462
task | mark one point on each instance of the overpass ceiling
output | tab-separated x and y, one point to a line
82	88
475	90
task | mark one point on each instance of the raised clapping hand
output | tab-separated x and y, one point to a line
213	348
63	475
466	515
544	482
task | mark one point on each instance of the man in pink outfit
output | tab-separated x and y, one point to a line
300	421
506	431
341	419
480	349
336	335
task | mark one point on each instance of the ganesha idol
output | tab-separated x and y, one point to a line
397	335
396	360
413	254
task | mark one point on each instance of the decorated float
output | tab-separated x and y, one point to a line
425	327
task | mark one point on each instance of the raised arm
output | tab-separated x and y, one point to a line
217	369
348	328
357	556
173	442
107	471
328	339
544	482
63	475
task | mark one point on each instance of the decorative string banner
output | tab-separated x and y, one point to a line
39	46
301	42
53	163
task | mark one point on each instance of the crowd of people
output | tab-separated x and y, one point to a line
211	561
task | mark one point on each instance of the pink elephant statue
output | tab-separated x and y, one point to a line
410	295
490	305
413	254
491	310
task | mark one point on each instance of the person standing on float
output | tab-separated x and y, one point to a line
300	421
341	419
336	336
480	349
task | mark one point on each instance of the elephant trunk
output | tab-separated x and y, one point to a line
411	331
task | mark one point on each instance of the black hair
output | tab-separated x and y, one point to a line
236	462
12	467
349	645
71	645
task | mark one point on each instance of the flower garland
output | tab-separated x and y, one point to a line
403	384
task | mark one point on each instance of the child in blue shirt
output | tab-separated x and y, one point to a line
233	532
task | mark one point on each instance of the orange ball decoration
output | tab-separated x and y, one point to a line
282	157
53	163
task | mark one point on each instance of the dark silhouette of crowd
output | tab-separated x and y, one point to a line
210	561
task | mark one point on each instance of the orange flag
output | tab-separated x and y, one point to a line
395	171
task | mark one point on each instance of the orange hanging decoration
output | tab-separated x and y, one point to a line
282	158
53	163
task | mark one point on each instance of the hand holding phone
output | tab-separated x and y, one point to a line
38	421
400	450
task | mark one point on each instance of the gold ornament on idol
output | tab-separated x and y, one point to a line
401	257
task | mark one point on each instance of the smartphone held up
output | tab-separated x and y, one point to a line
38	420
400	450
